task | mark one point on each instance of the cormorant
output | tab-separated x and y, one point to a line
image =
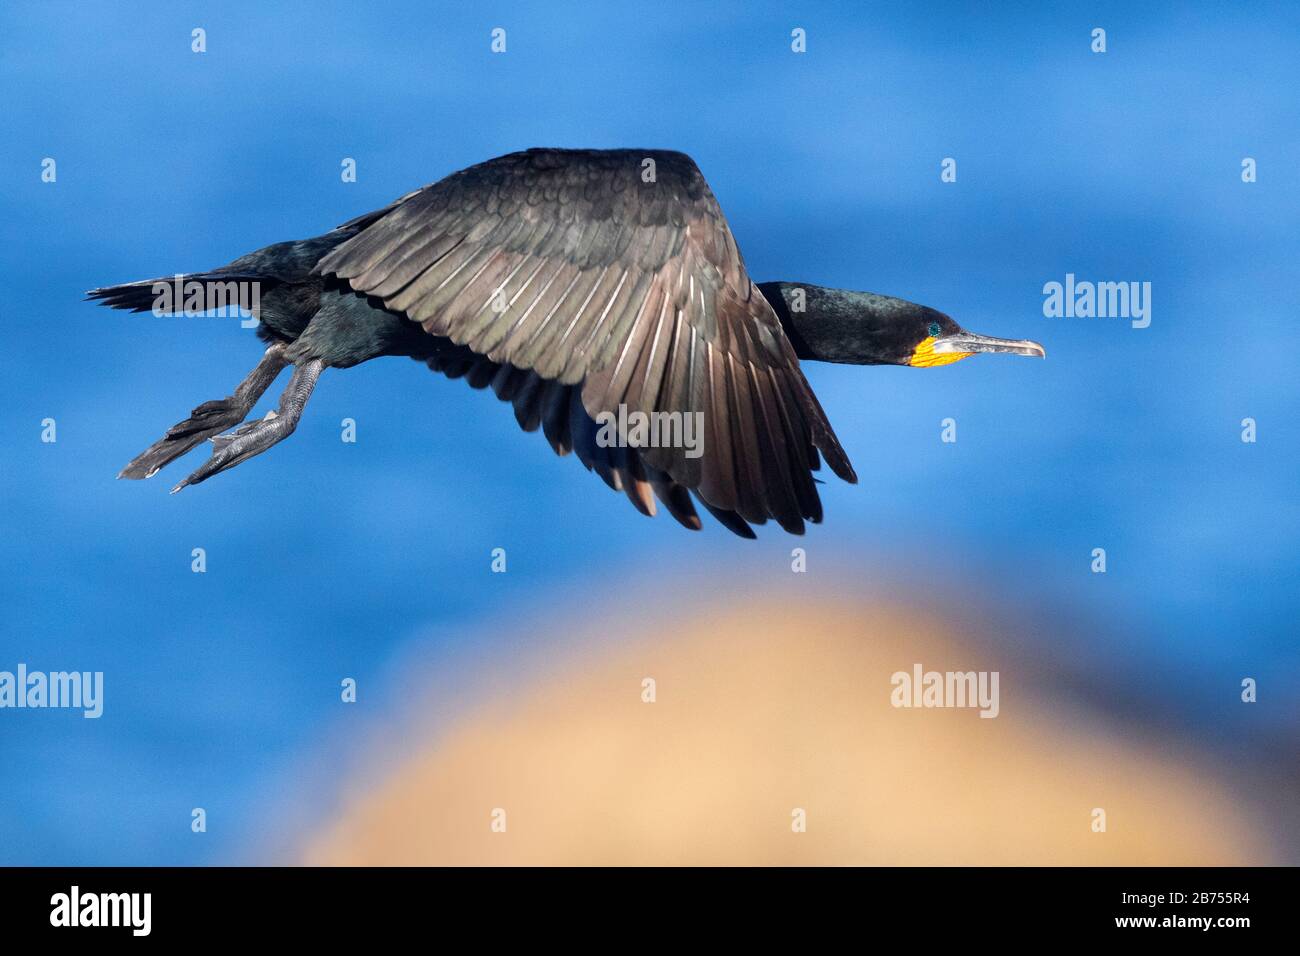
581	285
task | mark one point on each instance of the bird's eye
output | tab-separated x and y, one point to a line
934	330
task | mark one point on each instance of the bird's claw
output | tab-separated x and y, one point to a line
221	441
234	447
208	419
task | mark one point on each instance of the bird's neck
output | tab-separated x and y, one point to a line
837	325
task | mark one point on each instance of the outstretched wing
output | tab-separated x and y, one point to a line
614	271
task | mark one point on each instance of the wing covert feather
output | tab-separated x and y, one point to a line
575	267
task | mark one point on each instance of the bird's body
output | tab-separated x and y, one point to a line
581	285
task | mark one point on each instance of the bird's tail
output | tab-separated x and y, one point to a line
165	295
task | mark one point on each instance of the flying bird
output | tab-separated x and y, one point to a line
580	285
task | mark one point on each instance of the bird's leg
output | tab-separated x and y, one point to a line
256	437
210	418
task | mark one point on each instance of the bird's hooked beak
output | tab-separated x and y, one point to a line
955	346
969	342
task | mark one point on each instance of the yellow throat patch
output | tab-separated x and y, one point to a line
926	357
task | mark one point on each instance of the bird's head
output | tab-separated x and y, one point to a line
863	328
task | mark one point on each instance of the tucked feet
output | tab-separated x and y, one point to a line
209	419
256	437
240	445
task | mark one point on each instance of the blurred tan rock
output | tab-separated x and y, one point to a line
763	711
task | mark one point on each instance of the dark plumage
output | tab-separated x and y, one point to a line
573	283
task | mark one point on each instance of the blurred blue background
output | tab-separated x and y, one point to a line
326	559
